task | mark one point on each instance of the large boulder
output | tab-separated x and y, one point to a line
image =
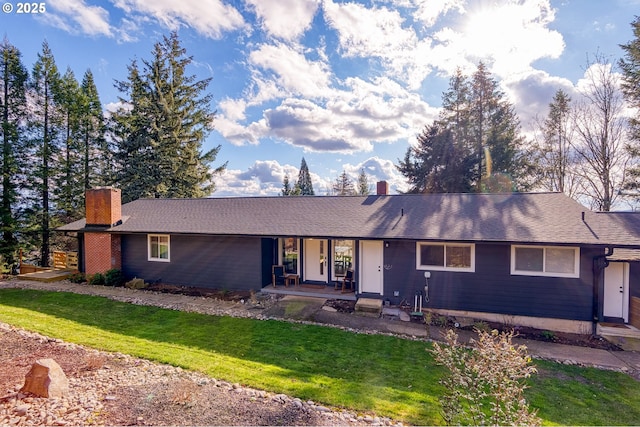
46	379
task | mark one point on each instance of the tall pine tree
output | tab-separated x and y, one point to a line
363	183
13	103
630	67
343	185
97	161
475	145
557	158
161	129
44	128
68	187
304	186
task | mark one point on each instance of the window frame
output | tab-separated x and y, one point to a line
168	244
470	269
544	273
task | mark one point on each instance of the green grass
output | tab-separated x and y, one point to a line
389	376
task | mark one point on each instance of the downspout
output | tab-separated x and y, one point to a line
599	264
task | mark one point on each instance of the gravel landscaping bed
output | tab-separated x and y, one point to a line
117	389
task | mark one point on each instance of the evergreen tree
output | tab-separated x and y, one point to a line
13	103
286	187
501	162
557	160
44	128
304	186
137	172
343	186
630	67
69	190
475	145
161	130
97	162
363	183
438	164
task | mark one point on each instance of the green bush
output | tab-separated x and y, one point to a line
97	279
77	278
113	277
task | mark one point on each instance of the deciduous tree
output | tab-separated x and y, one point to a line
600	135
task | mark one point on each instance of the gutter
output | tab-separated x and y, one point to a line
599	264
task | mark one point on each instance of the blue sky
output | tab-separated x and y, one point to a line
346	84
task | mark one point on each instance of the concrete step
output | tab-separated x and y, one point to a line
368	306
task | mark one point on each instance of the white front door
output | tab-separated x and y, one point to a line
371	267
315	260
616	290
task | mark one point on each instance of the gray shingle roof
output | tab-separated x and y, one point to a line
519	217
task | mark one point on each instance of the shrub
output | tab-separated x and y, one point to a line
113	277
485	386
135	283
77	278
548	335
97	279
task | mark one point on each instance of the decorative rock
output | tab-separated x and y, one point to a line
22	410
46	379
404	316
329	308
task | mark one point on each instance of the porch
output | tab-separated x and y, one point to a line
311	290
64	265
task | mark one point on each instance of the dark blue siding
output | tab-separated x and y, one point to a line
201	261
491	288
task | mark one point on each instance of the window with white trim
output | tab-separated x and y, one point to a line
159	247
554	261
445	256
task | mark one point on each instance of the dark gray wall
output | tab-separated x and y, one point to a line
491	288
634	279
202	261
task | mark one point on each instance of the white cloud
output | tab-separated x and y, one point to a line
285	19
428	12
368	32
349	120
265	178
210	18
531	94
294	73
383	34
76	16
262	178
233	109
510	35
238	134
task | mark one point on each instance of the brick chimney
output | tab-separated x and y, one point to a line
102	249
103	206
382	188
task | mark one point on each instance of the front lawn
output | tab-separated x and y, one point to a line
390	376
